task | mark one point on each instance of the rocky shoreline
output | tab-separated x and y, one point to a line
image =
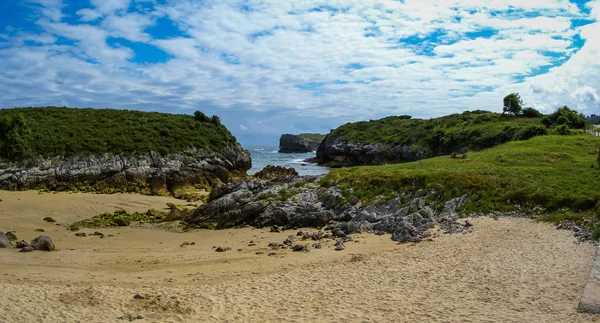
145	173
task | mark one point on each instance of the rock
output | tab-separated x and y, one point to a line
272	254
138	296
468	224
289	241
289	143
42	243
80	234
275	229
131	317
221	249
340	247
299	247
96	233
21	244
275	173
317	245
251	244
259	253
240	249
185	243
5	241
11	236
338	233
39	230
273	245
27	249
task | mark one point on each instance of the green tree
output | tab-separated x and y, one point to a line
531	113
513	104
15	137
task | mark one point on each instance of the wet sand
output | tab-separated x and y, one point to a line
510	270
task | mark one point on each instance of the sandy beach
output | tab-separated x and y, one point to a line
509	270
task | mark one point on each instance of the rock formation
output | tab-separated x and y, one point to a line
338	152
301	202
158	174
289	143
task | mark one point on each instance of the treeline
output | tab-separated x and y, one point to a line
61	131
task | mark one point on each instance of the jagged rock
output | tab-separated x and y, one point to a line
21	244
5	241
189	167
42	243
453	204
11	236
317	245
275	173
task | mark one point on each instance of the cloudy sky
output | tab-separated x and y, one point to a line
274	66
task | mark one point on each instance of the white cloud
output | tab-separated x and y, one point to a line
368	59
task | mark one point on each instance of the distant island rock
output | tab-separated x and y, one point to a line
302	143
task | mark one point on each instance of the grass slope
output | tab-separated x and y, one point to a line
56	131
471	129
553	171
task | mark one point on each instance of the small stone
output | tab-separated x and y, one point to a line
193	243
185	243
272	254
468	224
81	234
138	296
340	247
27	249
299	247
251	244
22	244
39	230
317	245
96	233
299	234
221	249
337	232
259	253
42	243
240	249
275	229
288	241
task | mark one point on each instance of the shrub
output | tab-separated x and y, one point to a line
531	113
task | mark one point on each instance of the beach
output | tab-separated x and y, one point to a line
506	270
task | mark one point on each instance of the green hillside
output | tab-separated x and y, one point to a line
312	136
53	131
552	171
474	130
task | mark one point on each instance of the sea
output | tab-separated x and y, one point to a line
268	155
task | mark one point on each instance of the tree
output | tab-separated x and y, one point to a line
512	104
14	137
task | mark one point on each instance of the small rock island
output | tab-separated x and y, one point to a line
302	143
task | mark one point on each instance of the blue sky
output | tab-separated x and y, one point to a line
269	66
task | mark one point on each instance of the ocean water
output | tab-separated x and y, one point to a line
266	155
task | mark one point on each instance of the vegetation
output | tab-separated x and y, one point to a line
49	219
564	118
121	218
60	131
474	130
512	104
551	171
312	136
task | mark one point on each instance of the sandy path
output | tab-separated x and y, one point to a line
504	271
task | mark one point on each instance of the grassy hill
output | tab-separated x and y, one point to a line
52	131
472	129
552	171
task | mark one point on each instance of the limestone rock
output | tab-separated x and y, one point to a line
5	241
42	243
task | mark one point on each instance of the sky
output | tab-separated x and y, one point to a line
268	67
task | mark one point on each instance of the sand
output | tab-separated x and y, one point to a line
507	270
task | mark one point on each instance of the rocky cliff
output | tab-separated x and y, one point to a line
339	152
146	173
303	143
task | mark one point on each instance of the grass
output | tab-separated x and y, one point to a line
60	131
312	136
552	171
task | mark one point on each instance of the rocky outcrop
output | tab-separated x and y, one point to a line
289	143
302	203
5	241
338	152
158	174
275	173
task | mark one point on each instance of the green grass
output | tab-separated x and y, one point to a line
552	171
55	131
472	129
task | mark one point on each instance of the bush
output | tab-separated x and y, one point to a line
564	116
531	113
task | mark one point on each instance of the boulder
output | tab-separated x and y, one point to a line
42	243
275	173
11	236
21	244
5	241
